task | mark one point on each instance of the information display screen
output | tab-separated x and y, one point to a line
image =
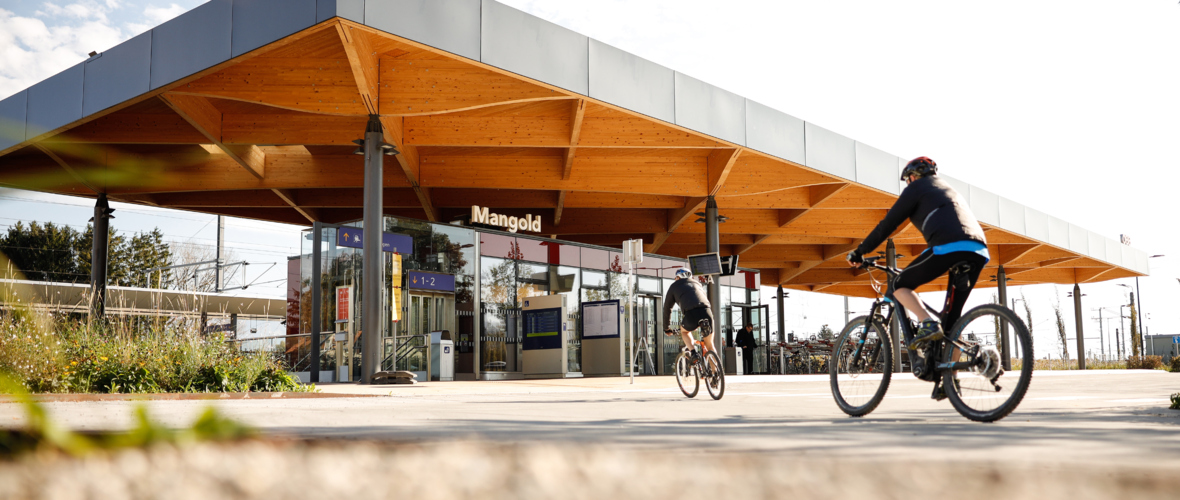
542	329
704	264
601	319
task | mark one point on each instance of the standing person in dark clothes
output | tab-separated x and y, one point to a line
745	340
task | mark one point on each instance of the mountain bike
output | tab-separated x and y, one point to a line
963	366
691	366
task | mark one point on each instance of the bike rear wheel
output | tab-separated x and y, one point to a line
686	376
985	392
714	375
860	377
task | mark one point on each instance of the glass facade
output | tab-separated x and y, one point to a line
494	273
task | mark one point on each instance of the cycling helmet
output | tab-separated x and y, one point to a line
921	165
683	273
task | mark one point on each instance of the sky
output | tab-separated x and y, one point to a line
1068	107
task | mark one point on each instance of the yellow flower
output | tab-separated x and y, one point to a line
73	363
104	358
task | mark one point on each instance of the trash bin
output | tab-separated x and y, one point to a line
442	356
733	361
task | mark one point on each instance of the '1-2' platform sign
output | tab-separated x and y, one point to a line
352	237
418	280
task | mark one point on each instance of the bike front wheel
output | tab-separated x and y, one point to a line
714	375
861	366
984	391
686	376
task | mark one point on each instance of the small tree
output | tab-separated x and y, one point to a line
825	333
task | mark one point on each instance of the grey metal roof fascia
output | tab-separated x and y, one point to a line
353	10
530	46
710	109
196	40
877	169
1012	216
450	25
1079	239
631	82
985	205
1096	246
12	119
120	74
1036	224
1114	254
55	102
1058	233
830	152
773	132
259	22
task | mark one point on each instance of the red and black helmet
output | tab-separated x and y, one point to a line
922	166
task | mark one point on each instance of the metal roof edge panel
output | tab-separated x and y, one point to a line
830	152
1036	224
530	46
961	187
1012	216
651	89
877	169
257	23
194	41
121	73
1096	246
450	25
1079	239
710	109
773	132
12	119
985	205
55	101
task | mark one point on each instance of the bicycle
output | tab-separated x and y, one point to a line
863	355
691	366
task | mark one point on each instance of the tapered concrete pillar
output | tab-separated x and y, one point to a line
98	256
317	300
713	244
1005	339
373	285
1077	317
899	342
782	320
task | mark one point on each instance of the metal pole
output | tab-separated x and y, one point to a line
317	300
1139	313
1077	316
219	271
98	256
713	244
1005	349
374	270
634	318
846	310
782	321
899	343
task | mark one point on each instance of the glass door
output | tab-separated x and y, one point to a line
646	326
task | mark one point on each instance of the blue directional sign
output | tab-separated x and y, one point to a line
418	280
352	237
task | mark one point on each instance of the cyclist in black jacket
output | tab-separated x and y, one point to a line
952	234
690	295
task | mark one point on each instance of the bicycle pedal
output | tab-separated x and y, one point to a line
939	394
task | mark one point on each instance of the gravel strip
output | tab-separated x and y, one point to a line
468	470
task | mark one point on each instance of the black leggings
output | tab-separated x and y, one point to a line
928	267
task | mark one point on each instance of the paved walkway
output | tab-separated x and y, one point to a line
1095	416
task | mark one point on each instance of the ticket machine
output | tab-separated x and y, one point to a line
546	328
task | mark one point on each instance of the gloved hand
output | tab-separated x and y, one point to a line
855	258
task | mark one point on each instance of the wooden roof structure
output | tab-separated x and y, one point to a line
248	108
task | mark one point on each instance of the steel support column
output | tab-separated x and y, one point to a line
1077	316
899	342
713	244
782	320
1005	339
99	244
317	300
373	274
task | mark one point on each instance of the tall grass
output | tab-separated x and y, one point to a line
64	354
1093	364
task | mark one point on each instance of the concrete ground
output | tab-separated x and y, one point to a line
1077	435
1093	416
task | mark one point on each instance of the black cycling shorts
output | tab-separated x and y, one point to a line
692	318
928	266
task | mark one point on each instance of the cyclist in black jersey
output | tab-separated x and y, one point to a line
952	234
693	300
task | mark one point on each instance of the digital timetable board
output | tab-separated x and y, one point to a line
705	264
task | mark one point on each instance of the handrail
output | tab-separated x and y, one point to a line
277	337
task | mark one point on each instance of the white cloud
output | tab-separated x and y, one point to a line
155	16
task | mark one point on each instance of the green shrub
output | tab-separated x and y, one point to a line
1145	362
131	356
1175	368
1176	401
